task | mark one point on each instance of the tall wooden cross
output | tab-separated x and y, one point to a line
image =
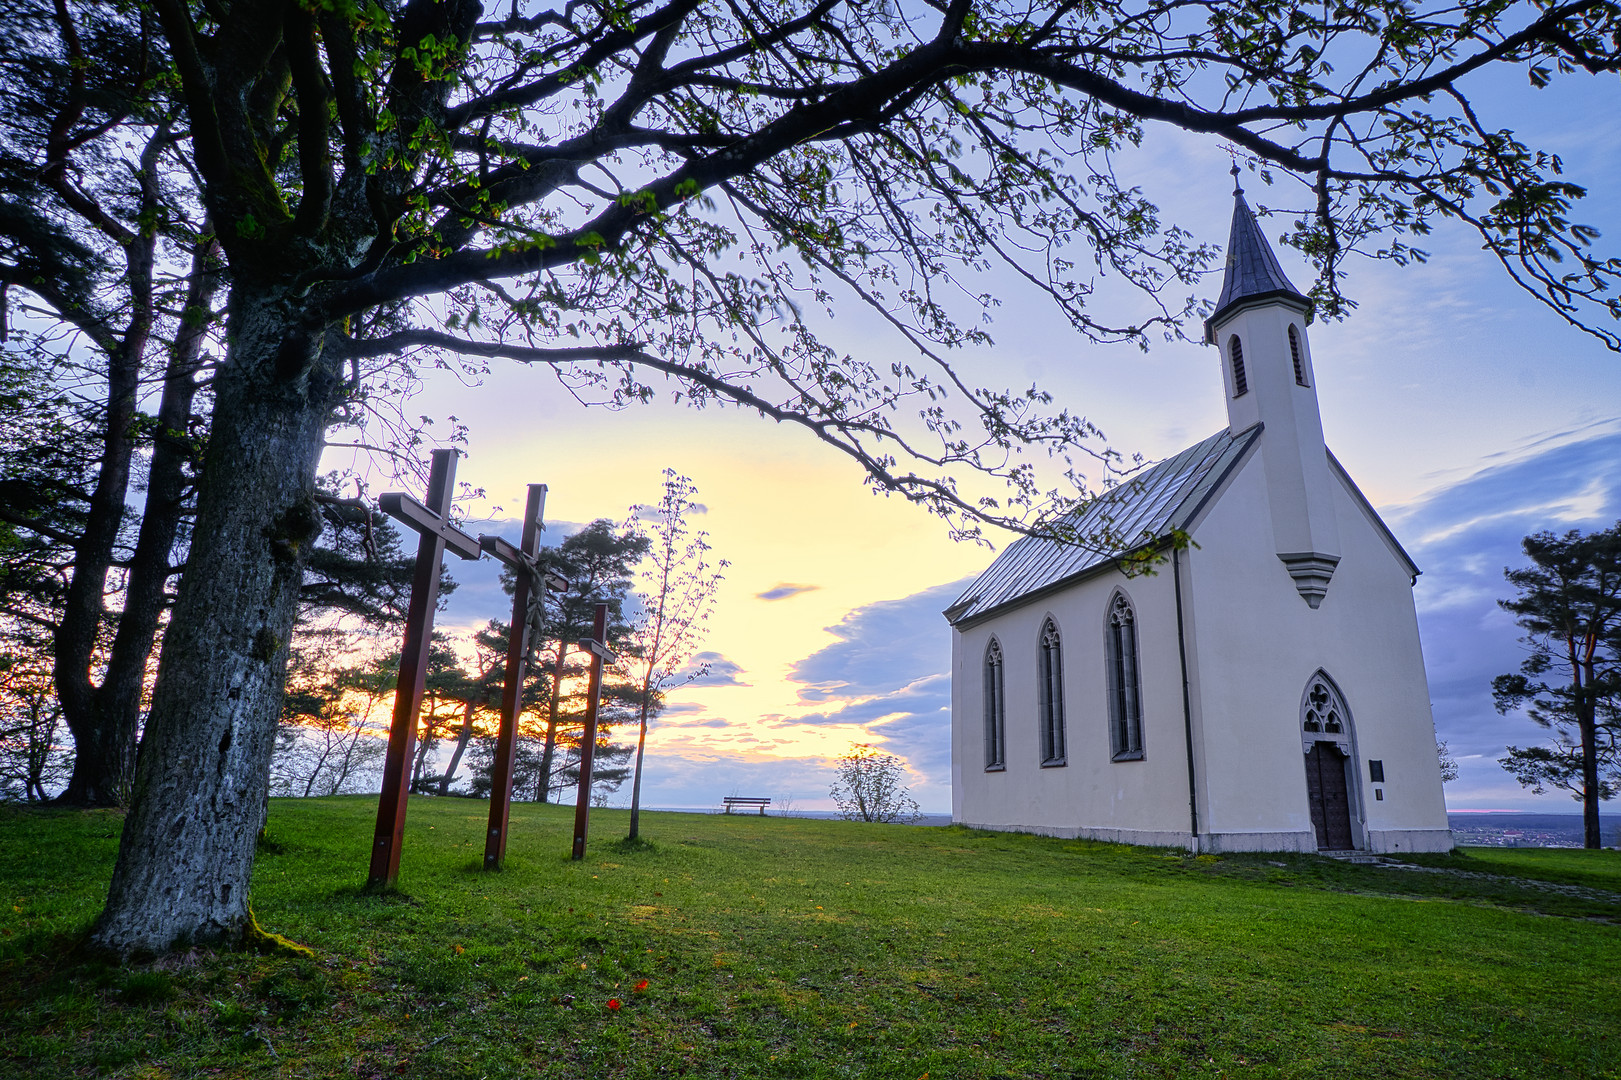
530	586
597	646
437	533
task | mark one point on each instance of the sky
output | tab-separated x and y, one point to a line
1467	413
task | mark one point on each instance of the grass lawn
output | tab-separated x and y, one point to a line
780	947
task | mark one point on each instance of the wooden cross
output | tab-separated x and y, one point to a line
528	573
597	646
433	522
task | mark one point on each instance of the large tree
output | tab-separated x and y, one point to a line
648	193
1569	605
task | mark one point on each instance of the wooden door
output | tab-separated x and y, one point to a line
1330	797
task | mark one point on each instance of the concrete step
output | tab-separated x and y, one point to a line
1362	857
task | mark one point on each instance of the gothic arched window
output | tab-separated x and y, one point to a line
1235	350
1125	681
995	710
1050	696
1322	712
1294	354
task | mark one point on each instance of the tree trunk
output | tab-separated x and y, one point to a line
110	715
100	760
425	744
186	856
543	787
1586	722
641	748
462	736
119	699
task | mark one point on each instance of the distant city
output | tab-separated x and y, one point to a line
1495	828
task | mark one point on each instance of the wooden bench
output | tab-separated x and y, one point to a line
740	800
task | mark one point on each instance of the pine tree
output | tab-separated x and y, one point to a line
1569	604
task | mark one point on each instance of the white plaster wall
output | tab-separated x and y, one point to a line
1254	643
1143	801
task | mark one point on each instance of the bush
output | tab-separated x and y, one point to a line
869	787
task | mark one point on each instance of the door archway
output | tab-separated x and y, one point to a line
1326	739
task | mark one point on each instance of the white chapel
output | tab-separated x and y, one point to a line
1262	690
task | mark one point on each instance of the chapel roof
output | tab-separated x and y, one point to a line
1252	271
1137	513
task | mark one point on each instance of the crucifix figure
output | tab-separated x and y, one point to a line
529	592
597	646
437	533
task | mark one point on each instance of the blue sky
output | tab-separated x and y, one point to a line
1463	536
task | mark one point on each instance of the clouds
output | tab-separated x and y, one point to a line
1463	535
651	512
884	645
722	672
784	591
890	671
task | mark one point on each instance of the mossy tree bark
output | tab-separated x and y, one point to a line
185	859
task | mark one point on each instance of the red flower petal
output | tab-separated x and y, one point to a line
613	1003
641	986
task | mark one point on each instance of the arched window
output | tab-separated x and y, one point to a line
1235	350
1125	682
995	710
1322	713
1294	354
1050	696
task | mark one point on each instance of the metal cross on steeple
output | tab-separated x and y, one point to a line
432	521
529	592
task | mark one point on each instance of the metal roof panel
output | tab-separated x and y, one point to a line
1138	512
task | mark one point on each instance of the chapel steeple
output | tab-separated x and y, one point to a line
1259	326
1253	275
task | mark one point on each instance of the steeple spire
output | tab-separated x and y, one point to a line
1253	273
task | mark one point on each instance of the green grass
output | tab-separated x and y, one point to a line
793	948
1569	866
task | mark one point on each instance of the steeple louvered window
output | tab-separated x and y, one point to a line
1050	695
1235	352
1125	681
995	710
1294	354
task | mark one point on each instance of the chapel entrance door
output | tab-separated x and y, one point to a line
1330	797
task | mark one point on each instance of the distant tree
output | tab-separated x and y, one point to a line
358	572
1449	765
533	708
610	765
449	691
678	592
599	563
1569	604
869	786
481	700
334	730
33	757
